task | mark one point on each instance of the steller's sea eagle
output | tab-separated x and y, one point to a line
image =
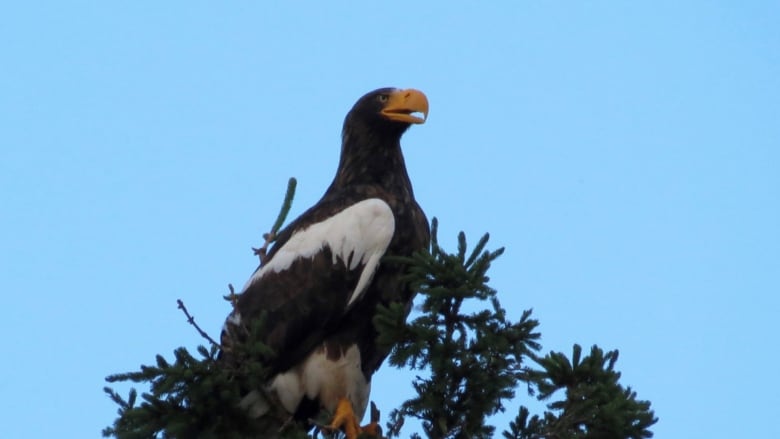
325	276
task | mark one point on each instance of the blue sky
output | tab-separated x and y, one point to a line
625	154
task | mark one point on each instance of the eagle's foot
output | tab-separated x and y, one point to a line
345	420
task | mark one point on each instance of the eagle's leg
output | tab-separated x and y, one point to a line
345	420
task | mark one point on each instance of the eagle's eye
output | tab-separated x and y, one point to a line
383	98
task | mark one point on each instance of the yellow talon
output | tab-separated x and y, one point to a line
345	420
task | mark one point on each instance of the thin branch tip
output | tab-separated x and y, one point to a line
191	321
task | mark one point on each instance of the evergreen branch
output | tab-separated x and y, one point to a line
594	404
286	205
202	397
473	359
270	237
191	321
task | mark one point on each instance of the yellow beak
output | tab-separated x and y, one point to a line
403	104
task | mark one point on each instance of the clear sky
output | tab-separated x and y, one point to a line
625	154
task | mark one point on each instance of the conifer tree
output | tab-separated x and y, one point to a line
469	363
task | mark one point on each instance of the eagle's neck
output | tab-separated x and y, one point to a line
370	159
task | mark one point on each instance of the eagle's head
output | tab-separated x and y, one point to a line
388	111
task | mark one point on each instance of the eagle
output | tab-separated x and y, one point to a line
323	279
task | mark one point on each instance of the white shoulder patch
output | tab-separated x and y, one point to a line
357	235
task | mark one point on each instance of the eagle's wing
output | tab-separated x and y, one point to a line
322	268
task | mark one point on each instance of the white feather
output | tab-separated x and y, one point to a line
323	379
357	235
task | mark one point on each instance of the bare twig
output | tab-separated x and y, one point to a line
262	252
191	321
232	297
288	422
375	413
